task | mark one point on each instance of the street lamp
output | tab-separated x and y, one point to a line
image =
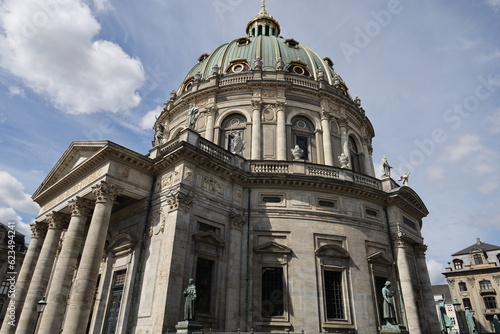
40	306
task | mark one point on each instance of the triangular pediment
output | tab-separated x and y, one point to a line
272	247
379	258
210	238
76	155
331	250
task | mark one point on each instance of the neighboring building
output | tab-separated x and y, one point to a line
444	302
474	281
12	251
260	185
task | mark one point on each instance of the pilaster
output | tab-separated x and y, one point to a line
256	130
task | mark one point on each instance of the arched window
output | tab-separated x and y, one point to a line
336	141
303	136
355	156
234	125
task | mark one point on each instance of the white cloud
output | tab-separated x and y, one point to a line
16	91
149	119
12	195
9	215
102	5
50	46
493	3
495	54
435	270
475	159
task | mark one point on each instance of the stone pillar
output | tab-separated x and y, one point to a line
431	318
38	232
234	306
62	277
210	123
405	279
327	138
281	131
84	284
256	131
41	274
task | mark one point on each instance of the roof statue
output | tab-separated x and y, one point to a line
386	168
404	178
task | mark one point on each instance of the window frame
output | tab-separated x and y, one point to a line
306	133
490	302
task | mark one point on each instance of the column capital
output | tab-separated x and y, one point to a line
38	229
256	105
342	121
57	220
211	110
105	192
80	206
280	105
177	199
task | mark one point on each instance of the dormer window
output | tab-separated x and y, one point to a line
291	43
188	85
328	61
478	258
243	41
202	57
458	264
237	66
299	68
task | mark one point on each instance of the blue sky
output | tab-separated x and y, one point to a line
427	72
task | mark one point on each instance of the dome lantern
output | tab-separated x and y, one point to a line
263	24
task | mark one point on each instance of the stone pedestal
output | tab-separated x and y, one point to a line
394	329
189	327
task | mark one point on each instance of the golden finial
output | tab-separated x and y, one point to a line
264	4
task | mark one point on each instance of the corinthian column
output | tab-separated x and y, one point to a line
38	232
256	131
41	274
82	291
53	314
405	279
281	131
210	123
327	138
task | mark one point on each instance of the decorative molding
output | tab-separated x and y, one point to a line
177	199
81	206
213	185
105	192
58	220
122	244
157	223
38	230
237	220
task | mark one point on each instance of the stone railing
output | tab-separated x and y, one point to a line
302	82
235	80
269	166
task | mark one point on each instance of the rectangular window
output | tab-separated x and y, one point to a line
490	302
462	286
485	285
115	302
303	143
4	288
272	292
478	259
203	281
333	295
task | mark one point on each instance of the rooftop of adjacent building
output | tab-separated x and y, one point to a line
479	245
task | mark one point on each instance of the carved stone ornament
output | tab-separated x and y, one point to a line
157	223
81	206
177	199
344	161
105	192
38	230
497	279
237	219
213	185
57	220
188	174
256	105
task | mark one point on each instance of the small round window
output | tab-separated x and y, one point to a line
298	70
189	85
238	68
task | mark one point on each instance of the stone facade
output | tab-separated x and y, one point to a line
474	278
276	238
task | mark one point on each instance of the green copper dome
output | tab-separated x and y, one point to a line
263	49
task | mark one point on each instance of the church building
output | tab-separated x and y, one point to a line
260	187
